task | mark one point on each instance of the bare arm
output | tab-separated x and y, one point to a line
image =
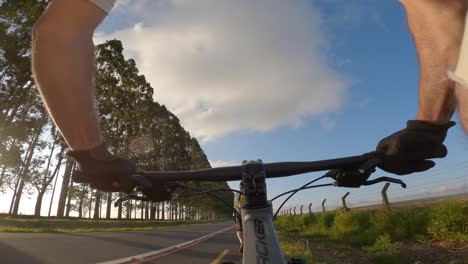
437	29
460	76
63	64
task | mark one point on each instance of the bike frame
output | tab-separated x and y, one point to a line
261	243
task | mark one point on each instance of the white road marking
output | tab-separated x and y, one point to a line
164	250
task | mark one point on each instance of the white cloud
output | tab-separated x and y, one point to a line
224	66
221	163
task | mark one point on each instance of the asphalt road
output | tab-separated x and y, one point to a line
78	248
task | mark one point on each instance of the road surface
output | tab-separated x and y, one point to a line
80	248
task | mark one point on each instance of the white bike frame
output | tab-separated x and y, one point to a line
261	245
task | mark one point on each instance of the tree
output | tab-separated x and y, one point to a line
126	107
42	183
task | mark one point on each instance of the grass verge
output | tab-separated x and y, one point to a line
43	225
378	235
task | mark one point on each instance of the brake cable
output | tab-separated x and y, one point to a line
210	191
301	189
297	190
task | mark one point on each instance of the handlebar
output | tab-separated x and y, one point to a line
272	170
352	172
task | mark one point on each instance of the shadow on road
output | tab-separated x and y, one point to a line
11	255
123	241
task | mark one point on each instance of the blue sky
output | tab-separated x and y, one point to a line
285	81
367	44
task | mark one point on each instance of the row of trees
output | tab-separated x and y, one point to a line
169	210
32	152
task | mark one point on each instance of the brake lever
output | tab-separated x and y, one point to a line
130	197
152	190
355	179
351	178
385	179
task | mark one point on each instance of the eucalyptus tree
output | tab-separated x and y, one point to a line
42	183
16	84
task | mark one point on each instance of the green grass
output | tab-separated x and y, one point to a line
447	222
294	248
379	232
44	225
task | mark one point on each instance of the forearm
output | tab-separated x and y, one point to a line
437	29
63	65
63	71
460	76
437	102
462	99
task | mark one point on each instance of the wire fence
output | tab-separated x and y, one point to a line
420	194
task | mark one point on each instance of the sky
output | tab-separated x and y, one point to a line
285	81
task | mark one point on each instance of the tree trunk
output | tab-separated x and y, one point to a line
18	181
119	212
97	204
64	189
141	209
80	202
90	203
109	204
163	216
2	177
19	192
135	213
170	211
146	210
53	190
46	181
129	212
69	197
80	209
154	209
55	181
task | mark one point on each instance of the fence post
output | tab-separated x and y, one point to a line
323	205
294	210
310	208
384	196
343	201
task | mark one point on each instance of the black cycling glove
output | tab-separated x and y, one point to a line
410	149
102	170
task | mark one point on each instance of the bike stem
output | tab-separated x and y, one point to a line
260	239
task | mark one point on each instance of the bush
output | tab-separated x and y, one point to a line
325	220
384	246
450	222
353	227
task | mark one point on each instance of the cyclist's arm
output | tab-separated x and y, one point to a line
460	76
462	99
63	64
